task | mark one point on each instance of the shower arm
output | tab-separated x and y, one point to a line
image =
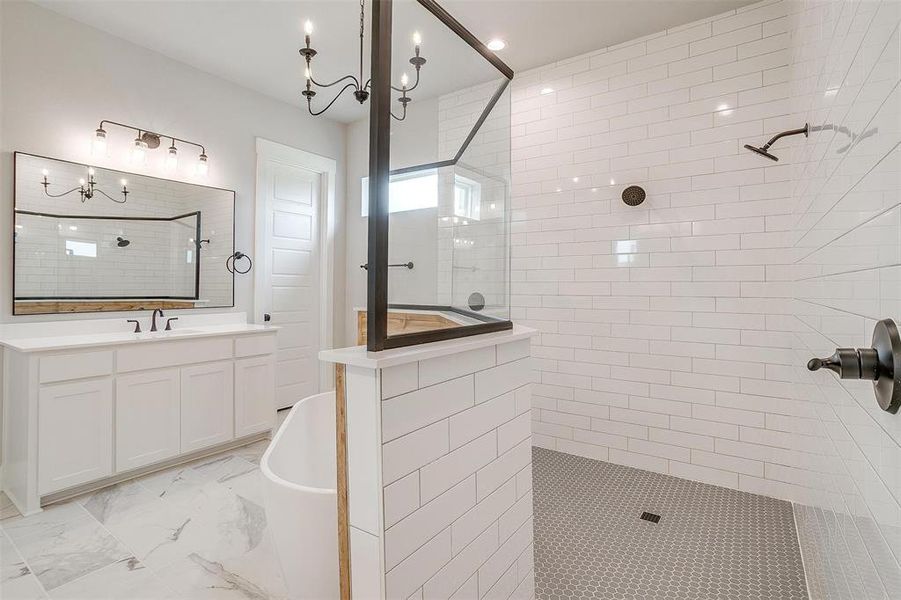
805	130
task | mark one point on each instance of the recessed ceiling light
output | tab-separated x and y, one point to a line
496	44
546	91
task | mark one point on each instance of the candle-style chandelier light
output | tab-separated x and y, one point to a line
360	89
86	188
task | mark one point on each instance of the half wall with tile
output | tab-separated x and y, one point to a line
440	469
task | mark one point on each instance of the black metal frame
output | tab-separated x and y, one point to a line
198	235
379	176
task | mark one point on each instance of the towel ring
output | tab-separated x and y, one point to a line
234	258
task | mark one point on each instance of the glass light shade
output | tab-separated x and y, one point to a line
139	151
172	159
98	143
203	165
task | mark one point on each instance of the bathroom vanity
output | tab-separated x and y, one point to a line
84	409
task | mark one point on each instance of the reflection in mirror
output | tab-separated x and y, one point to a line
89	239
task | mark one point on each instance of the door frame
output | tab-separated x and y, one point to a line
327	168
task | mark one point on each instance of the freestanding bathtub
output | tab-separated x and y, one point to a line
300	474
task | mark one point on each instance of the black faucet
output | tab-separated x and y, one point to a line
153	318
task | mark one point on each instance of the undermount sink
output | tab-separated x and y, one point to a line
170	333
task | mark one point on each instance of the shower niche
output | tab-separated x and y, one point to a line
439	194
89	239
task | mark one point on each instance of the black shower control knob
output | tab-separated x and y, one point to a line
849	363
880	364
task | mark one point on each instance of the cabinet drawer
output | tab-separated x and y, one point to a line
80	365
171	354
253	345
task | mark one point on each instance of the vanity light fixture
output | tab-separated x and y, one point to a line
86	188
147	140
360	89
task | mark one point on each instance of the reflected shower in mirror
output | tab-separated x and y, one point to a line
89	239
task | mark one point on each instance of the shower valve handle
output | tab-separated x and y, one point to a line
880	364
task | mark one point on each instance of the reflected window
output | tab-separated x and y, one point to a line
407	191
467	198
76	248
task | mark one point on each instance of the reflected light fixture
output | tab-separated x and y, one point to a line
145	141
86	188
546	91
360	89
496	44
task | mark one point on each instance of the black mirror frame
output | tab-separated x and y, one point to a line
377	338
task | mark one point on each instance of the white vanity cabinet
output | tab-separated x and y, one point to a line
81	416
76	424
148	418
207	405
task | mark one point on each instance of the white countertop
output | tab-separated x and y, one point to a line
45	343
358	356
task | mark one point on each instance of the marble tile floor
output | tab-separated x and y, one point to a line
196	531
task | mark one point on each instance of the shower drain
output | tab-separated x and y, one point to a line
646	516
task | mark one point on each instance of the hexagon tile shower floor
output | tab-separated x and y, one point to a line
710	542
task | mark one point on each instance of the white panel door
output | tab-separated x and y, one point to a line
290	285
76	441
148	416
254	395
207	405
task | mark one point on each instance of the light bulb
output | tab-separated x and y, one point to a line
81	182
98	143
496	44
172	159
139	151
308	27
124	182
404	80
45	172
91	171
417	39
203	165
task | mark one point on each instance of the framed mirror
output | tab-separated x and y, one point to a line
89	239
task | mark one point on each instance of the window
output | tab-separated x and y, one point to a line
467	198
410	191
75	248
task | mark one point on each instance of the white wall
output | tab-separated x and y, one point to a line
60	78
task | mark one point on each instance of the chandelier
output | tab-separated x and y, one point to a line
85	189
360	89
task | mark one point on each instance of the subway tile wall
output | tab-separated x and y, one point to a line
666	342
457	475
846	188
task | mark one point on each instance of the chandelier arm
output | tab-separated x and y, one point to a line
75	189
110	197
402	117
356	82
329	105
409	89
368	84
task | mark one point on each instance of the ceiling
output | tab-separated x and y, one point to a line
255	43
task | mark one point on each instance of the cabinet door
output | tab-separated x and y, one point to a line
75	444
147	418
254	395
207	405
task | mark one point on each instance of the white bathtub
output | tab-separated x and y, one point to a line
300	475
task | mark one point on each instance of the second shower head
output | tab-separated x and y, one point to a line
764	150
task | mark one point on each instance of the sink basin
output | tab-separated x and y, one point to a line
152	335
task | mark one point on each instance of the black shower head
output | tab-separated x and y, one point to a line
122	242
761	151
